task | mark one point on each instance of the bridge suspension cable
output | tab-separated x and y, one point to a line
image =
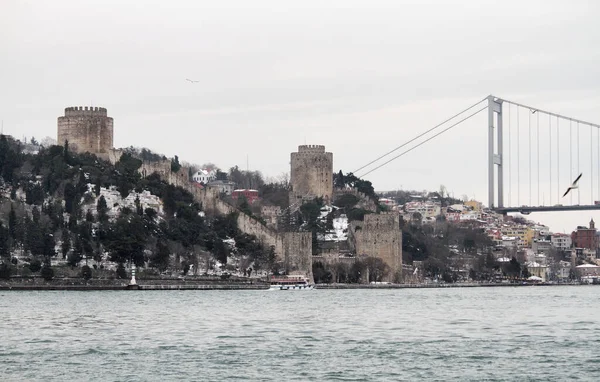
425	141
419	136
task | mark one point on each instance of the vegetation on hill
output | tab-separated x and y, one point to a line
52	208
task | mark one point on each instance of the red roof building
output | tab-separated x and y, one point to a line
251	195
585	237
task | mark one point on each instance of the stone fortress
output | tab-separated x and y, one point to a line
311	174
87	129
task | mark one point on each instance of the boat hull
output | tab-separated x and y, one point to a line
292	287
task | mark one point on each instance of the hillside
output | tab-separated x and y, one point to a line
68	214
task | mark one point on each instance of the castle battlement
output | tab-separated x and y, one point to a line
311	149
85	111
87	129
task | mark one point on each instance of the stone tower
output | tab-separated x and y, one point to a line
379	235
87	129
311	174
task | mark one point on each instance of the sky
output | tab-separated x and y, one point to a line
360	77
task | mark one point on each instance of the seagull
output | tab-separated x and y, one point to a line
573	186
192	81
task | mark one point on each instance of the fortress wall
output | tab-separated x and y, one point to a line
379	235
365	202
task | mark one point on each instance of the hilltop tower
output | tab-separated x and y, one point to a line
311	174
87	129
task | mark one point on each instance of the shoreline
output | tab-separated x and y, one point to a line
258	286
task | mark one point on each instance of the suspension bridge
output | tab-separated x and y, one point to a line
537	160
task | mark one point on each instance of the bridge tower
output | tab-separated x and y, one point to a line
495	152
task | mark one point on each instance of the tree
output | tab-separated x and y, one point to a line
175	165
49	249
75	257
12	223
66	242
4	241
121	272
86	272
47	272
89	216
102	210
126	240
161	257
5	271
35	265
377	268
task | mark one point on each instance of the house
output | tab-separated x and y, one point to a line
224	187
541	245
389	203
561	241
250	195
537	269
204	176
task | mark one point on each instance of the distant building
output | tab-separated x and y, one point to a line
561	241
426	209
204	176
389	203
585	237
251	195
224	187
541	245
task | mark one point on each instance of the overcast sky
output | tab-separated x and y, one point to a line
360	77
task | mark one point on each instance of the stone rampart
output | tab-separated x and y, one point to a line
180	178
364	201
379	235
293	248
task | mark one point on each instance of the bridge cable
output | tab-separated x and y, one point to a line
529	142
518	159
427	140
591	164
557	161
509	164
538	159
598	150
420	135
578	190
550	153
571	155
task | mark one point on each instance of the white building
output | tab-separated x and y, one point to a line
561	241
204	176
426	209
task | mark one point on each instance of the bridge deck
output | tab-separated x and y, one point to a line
527	210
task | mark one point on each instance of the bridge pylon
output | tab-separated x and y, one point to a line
495	170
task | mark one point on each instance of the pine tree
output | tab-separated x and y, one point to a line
102	209
12	223
66	242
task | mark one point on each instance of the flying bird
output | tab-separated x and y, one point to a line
573	186
192	81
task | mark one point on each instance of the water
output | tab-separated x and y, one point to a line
467	334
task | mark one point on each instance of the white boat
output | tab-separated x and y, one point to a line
291	282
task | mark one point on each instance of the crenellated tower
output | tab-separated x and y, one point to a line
311	174
87	129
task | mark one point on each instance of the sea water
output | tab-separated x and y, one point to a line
463	334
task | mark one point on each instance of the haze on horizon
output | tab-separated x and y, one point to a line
360	77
